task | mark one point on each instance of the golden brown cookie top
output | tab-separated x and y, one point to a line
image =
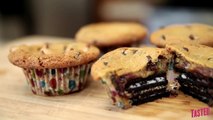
126	60
52	55
194	53
192	33
111	33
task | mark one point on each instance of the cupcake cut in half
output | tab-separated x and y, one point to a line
111	35
195	66
55	68
134	75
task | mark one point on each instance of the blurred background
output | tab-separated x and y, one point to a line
63	18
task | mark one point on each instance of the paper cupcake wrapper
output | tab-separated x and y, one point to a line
60	81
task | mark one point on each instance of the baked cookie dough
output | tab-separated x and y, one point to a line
183	33
111	35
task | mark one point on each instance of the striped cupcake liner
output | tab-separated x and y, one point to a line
60	81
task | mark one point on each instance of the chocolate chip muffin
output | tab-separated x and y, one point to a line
195	66
183	33
135	75
111	35
54	68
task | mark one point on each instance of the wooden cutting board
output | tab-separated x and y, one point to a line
18	103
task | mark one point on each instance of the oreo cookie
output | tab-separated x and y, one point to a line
200	88
139	84
140	90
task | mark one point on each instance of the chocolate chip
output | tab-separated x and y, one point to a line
105	63
77	55
209	58
163	37
150	65
161	57
42	52
134	51
186	49
113	76
149	58
124	52
119	69
191	37
40	62
71	49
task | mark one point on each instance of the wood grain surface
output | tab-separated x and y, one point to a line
18	103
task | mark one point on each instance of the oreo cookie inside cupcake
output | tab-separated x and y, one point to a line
141	90
197	83
133	76
194	64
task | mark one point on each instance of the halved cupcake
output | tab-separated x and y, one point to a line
194	63
135	75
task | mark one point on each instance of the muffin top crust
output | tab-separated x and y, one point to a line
127	60
52	55
193	53
185	33
107	34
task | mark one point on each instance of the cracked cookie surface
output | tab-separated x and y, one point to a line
52	55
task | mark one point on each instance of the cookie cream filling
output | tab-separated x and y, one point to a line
152	89
148	82
144	86
173	85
